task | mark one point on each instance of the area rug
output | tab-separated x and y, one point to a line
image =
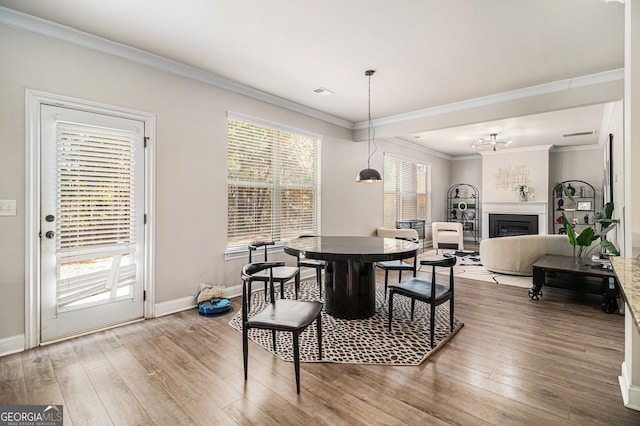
365	341
469	266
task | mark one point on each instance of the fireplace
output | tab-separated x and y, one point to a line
507	225
517	208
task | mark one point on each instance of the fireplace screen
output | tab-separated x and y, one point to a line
508	225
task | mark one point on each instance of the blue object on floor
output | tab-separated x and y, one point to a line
215	306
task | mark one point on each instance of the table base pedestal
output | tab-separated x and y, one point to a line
350	289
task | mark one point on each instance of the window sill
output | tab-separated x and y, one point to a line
257	256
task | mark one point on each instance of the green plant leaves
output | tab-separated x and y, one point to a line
589	234
570	232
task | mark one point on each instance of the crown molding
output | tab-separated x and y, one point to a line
50	29
412	145
575	148
40	26
467	157
512	95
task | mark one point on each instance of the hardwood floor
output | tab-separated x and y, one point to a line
516	361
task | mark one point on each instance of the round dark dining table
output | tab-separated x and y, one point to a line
350	279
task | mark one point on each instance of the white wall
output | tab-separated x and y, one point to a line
578	164
467	170
191	162
534	164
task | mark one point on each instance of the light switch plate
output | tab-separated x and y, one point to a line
7	207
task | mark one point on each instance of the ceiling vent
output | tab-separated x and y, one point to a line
570	135
322	91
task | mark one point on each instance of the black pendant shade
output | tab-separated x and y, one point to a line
368	176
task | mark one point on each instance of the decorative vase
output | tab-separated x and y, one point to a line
523	196
585	260
581	257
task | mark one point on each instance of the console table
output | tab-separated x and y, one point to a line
574	276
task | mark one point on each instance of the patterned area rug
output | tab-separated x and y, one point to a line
360	341
469	266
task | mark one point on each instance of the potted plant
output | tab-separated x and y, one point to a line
590	234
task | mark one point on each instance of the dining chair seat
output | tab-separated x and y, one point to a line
428	292
420	289
398	265
286	315
283	315
281	274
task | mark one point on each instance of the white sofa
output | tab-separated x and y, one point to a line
516	255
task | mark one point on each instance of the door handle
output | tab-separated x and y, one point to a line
50	234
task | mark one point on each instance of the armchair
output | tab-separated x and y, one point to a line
447	235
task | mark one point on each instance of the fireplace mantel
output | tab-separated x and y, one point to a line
509	207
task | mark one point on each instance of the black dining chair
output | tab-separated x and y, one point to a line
427	292
281	274
318	265
286	315
398	265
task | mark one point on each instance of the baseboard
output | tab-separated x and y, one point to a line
185	303
630	393
12	345
15	344
173	306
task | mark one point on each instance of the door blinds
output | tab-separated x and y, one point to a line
96	211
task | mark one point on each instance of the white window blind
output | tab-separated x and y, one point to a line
406	190
273	184
95	182
95	213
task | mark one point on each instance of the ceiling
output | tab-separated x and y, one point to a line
426	53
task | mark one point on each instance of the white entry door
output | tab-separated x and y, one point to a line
91	221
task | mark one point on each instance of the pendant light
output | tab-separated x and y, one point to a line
369	175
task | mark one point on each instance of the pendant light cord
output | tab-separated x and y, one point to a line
371	128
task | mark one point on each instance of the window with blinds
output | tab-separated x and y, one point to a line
273	183
407	190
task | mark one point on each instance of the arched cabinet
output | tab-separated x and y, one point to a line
579	212
463	205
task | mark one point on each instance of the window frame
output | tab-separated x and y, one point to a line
276	187
398	191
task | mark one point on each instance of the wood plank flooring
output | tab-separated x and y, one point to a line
516	361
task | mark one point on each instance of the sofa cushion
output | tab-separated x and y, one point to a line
516	255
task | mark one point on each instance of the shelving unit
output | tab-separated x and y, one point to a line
579	212
463	205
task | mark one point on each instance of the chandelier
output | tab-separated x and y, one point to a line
493	142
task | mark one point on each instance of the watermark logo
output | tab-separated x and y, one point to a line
31	415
